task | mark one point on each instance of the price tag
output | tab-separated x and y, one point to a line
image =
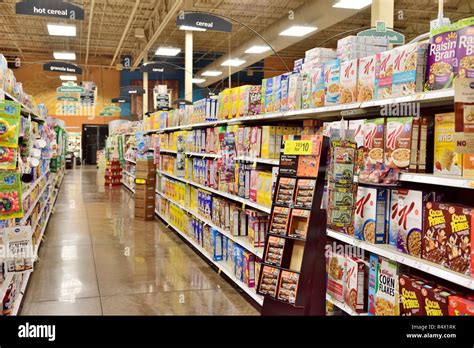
140	181
298	147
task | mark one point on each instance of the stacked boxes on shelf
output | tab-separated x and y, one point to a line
145	189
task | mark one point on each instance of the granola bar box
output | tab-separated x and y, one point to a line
465	48
442	64
370	220
383	294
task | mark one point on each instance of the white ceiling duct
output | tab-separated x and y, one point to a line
316	13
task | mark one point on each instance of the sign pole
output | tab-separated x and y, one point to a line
382	11
145	87
188	66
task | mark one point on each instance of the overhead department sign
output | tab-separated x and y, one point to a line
49	8
203	21
62	67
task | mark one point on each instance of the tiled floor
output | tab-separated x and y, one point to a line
98	260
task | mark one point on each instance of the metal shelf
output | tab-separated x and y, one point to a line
245	202
130	160
32	187
219	264
392	254
273	162
343	306
437	180
241	240
203	155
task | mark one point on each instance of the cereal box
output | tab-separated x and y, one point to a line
384	74
435	300
284	92
249	269
366	78
317	86
446	160
348	81
406	217
465	48
371	214
383	287
409	69
234	102
294	92
355	284
459	233
243	109
374	141
255	100
306	91
435	232
331	82
460	306
398	142
276	93
336	275
411	298
442	66
268	96
226	103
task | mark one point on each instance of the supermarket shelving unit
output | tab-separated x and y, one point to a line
441	98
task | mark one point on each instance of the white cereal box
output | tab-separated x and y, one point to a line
348	81
371	215
366	78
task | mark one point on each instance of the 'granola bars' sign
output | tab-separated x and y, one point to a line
62	67
203	21
49	8
394	37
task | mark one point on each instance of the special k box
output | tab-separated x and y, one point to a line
366	78
348	81
371	214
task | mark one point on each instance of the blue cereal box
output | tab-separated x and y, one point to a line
276	93
239	262
268	97
331	82
216	243
371	215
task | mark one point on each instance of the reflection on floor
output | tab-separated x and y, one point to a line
98	260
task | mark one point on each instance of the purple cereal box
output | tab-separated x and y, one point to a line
255	100
465	48
442	63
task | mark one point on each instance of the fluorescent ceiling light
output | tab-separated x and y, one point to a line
233	62
188	27
352	4
64	55
167	51
196	80
211	73
298	30
62	29
258	49
68	77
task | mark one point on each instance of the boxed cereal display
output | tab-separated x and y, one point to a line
332	81
366	78
370	220
284	92
268	102
411	298
355	284
294	92
348	81
398	142
460	306
384	75
317	86
276	93
269	281
442	65
434	234
446	160
249	269
336	275
435	300
306	90
409	69
255	100
383	292
244	103
464	48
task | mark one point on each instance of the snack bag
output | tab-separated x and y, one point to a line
9	123
10	196
8	157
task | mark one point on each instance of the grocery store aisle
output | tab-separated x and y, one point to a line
98	260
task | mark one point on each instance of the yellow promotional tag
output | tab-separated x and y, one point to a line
298	147
140	181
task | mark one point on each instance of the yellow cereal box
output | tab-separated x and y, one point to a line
264	189
234	102
446	160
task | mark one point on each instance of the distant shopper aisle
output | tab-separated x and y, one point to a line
97	259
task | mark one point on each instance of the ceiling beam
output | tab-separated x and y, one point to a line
91	14
166	19
125	31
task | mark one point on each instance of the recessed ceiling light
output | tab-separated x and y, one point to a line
188	27
211	73
257	49
64	55
167	51
68	77
197	80
298	30
352	4
62	29
233	62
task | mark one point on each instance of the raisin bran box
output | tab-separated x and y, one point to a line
465	48
442	65
383	299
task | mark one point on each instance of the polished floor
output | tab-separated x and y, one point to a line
98	260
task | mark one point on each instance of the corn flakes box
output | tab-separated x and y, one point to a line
383	299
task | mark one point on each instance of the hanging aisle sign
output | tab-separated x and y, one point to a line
205	21
121	100
67	98
153	68
62	67
49	8
70	87
136	90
